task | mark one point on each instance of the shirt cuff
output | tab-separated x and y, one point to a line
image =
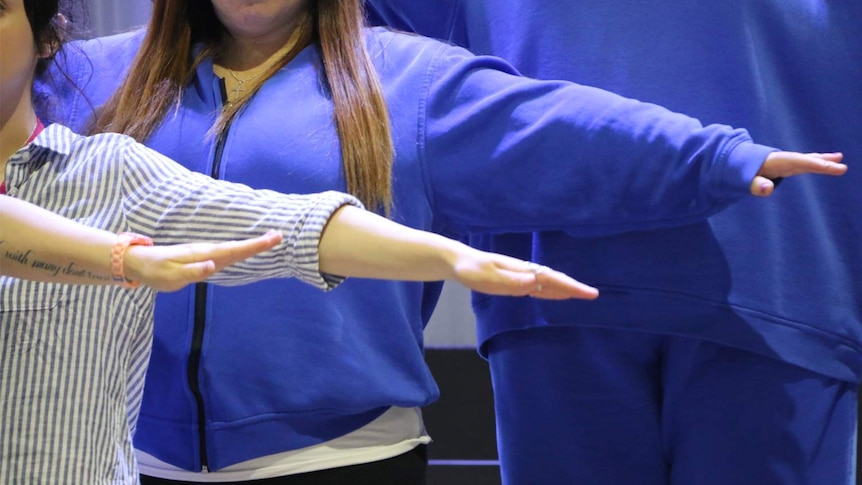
305	245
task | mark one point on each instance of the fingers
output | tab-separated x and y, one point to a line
553	285
514	277
836	157
169	268
825	163
230	252
787	164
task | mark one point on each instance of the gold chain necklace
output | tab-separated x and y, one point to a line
239	87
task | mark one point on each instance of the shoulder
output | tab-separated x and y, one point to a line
84	161
60	139
83	75
114	47
406	49
104	60
400	55
95	55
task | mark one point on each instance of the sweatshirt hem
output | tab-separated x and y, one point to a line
682	315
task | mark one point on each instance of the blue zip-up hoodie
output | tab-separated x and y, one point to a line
238	373
778	277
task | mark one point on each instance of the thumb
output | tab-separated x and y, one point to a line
182	276
762	186
198	271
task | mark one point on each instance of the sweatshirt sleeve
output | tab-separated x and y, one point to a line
83	76
504	153
175	205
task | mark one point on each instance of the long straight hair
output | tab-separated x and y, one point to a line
164	66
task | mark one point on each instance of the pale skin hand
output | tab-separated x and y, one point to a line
786	164
38	245
362	244
170	268
501	275
496	274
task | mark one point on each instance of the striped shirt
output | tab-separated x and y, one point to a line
73	358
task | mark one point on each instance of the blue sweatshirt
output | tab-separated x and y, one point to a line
238	373
780	277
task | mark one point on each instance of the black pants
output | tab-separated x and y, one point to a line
406	469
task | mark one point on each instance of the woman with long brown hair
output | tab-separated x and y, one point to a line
273	383
73	357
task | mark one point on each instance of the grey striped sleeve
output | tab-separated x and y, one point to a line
176	205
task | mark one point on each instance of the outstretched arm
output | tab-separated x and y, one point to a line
39	245
362	244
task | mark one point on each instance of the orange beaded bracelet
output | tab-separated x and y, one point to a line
118	255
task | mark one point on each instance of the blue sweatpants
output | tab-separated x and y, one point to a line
600	406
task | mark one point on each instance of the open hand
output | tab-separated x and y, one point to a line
786	164
169	268
496	274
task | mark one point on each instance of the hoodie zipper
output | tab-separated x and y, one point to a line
201	317
194	368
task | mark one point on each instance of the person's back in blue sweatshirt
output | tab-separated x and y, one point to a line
721	352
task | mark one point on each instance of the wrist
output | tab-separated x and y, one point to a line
119	252
453	254
134	265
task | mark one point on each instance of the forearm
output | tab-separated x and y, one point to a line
39	245
362	244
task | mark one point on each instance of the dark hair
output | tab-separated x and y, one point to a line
48	28
51	22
